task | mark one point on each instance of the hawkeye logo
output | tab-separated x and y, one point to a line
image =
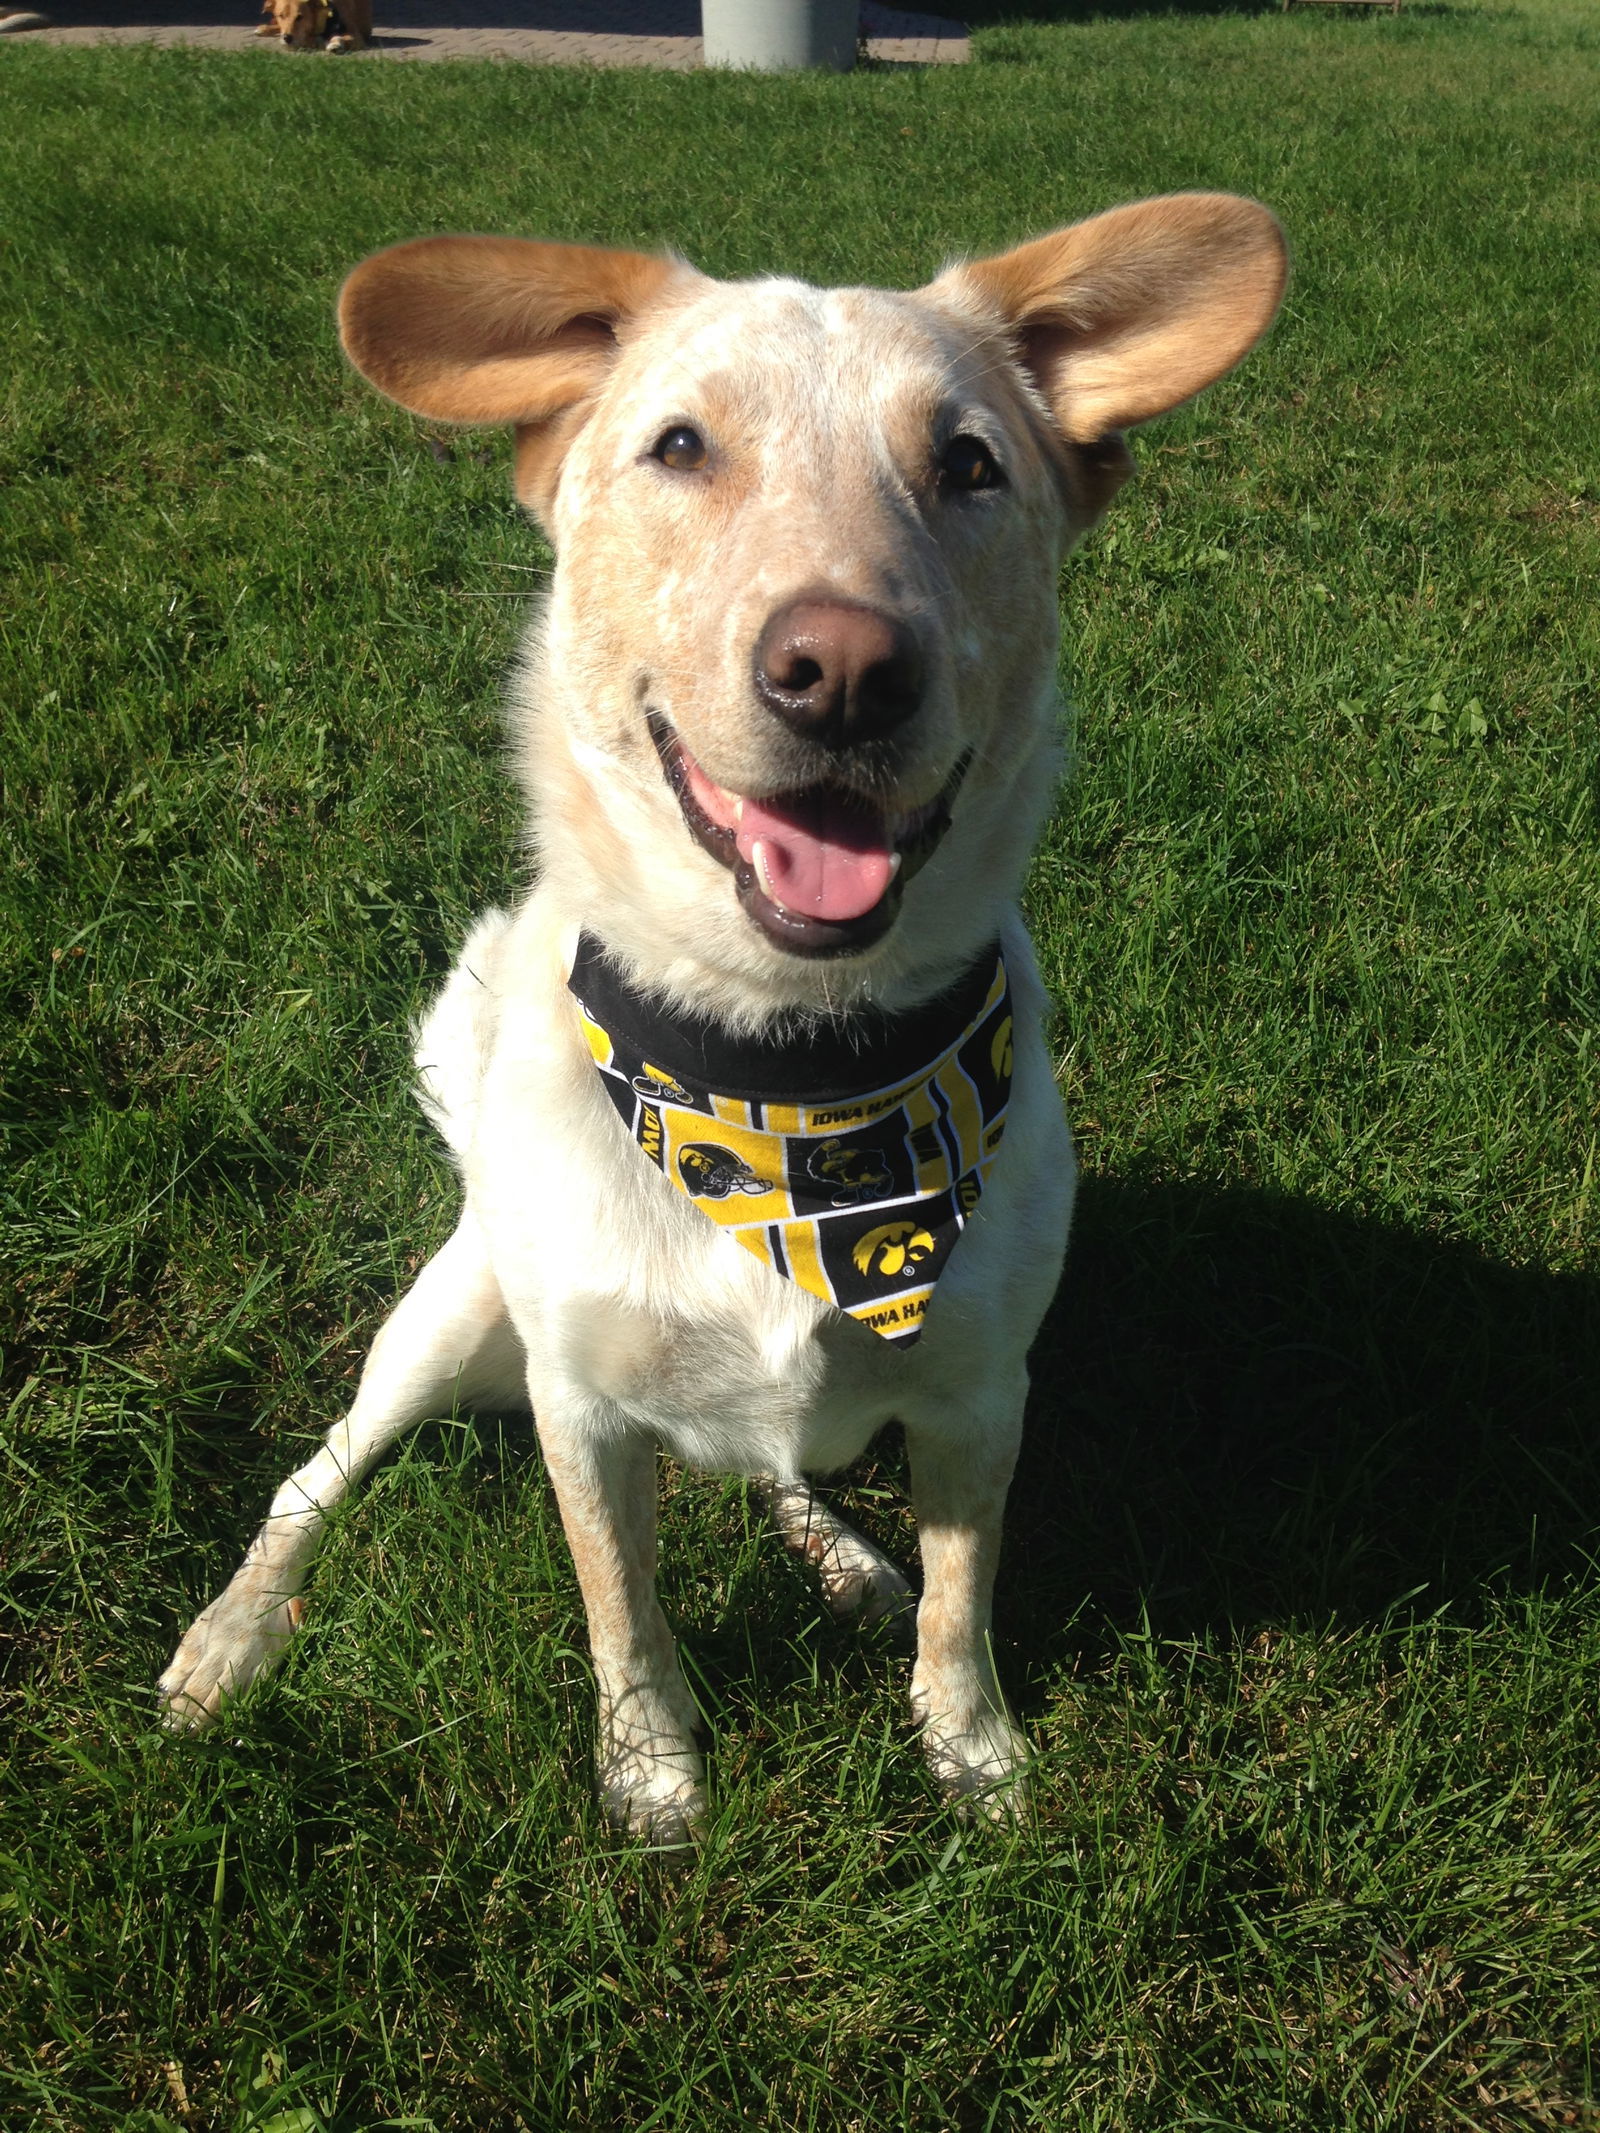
896	1248
713	1173
1000	1050
857	1176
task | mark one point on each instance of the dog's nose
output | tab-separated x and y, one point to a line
838	673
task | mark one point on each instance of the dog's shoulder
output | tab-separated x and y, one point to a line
456	1036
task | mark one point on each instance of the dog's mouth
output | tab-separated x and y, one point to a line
821	871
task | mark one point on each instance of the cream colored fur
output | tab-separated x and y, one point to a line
578	1277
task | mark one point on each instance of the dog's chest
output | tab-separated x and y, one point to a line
847	1159
636	1307
627	1296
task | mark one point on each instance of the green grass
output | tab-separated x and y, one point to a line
1299	1604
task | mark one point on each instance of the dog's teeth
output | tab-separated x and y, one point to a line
895	859
738	813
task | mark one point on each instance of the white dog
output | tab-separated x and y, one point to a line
760	1137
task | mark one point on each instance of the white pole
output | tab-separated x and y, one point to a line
775	35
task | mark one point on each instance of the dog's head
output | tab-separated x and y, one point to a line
298	22
791	702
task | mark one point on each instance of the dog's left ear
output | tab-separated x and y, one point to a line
500	329
1129	314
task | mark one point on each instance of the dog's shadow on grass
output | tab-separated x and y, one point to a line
1249	1410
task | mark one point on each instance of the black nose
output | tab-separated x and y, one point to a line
838	673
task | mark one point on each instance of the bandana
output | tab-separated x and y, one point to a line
847	1158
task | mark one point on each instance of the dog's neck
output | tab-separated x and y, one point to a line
815	1059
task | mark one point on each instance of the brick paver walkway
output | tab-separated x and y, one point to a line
597	33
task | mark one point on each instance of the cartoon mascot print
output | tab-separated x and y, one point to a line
852	1176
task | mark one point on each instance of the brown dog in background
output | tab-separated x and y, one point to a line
301	24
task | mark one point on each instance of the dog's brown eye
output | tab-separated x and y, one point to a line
682	449
968	463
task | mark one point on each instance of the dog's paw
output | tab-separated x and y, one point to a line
651	1777
656	1792
864	1587
239	1637
979	1763
859	1582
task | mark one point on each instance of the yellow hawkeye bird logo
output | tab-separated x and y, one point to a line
1000	1050
895	1248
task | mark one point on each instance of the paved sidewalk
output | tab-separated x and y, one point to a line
594	33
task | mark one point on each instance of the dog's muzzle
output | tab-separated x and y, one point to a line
820	870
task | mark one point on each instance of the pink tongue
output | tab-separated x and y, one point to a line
822	856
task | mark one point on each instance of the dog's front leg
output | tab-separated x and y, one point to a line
961	1467
650	1774
447	1340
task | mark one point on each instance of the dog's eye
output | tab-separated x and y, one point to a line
682	449
967	463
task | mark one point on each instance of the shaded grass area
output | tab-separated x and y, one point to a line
1299	1604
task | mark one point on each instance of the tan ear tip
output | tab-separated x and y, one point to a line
1248	226
1274	242
1263	221
357	292
1241	212
1268	229
379	286
351	310
347	302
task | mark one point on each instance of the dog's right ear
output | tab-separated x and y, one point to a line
499	329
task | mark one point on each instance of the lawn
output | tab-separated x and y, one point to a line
1300	1603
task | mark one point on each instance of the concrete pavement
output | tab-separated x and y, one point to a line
593	33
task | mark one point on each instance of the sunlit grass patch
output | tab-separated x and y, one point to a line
1298	1606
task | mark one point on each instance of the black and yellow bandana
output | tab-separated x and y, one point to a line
848	1159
